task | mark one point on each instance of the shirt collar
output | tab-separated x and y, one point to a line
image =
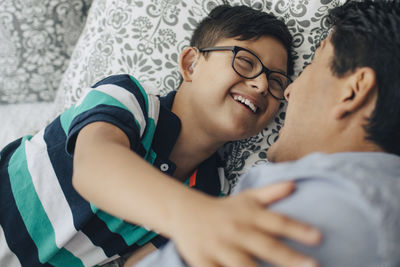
168	127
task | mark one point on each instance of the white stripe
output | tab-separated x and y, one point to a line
7	257
225	185
154	102
85	92
54	202
127	99
83	248
154	107
109	259
151	89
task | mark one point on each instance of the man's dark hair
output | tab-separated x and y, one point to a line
242	23
367	34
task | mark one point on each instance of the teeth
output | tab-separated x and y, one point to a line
245	101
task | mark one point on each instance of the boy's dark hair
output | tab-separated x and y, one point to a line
368	34
243	22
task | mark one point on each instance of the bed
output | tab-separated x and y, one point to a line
50	51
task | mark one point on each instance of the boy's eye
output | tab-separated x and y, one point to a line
276	82
245	63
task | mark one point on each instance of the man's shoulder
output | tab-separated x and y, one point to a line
350	196
349	165
372	177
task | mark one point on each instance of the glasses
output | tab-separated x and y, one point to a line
247	65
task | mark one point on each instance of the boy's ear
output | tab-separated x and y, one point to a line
357	93
187	61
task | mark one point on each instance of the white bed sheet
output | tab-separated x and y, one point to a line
17	120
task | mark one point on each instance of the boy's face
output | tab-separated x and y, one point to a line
229	106
309	123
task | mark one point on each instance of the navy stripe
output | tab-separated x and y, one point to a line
167	132
100	235
84	219
207	177
16	234
141	151
124	81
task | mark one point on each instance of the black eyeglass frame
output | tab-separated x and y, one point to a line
235	49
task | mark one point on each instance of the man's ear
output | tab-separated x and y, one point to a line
357	92
187	61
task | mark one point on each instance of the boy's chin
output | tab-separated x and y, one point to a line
271	154
240	134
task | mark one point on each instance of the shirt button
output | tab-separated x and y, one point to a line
164	167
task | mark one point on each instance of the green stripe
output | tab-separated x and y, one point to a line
66	118
148	135
187	181
31	210
151	157
92	99
129	232
149	236
142	91
65	258
147	139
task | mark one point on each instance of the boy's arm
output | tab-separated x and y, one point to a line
115	179
139	193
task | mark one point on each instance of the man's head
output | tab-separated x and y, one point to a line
348	98
373	30
232	72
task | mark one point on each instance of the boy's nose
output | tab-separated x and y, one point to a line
287	92
260	83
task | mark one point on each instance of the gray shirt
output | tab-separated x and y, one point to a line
353	198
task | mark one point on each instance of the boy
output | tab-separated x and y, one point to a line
107	140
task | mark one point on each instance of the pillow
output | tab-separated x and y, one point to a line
36	41
144	38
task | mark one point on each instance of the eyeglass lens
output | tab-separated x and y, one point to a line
249	66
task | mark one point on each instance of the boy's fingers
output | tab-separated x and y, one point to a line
272	193
275	252
283	226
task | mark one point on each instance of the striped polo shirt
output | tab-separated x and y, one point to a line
44	221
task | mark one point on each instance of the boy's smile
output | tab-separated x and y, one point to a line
247	102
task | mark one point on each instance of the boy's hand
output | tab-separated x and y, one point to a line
235	230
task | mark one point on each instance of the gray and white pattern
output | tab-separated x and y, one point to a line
144	38
37	38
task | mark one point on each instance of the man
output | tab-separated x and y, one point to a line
345	105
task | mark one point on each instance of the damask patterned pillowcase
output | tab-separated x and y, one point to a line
36	41
144	38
